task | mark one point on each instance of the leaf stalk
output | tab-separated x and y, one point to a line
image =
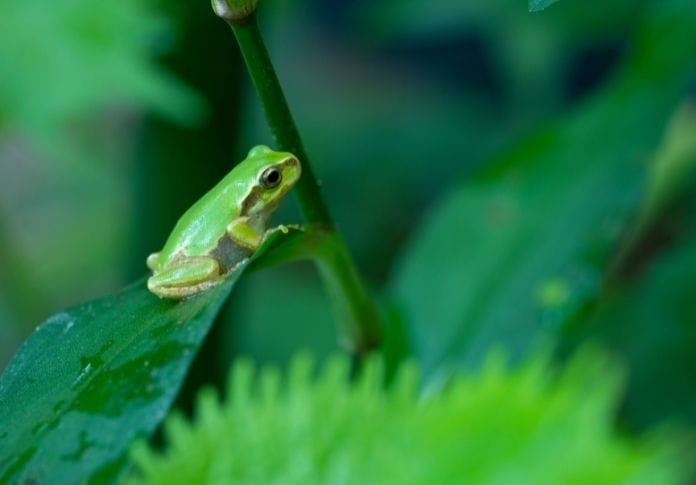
358	319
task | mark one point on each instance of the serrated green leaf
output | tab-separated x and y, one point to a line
530	424
95	377
517	251
537	5
64	60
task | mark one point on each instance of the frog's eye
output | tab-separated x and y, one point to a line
270	178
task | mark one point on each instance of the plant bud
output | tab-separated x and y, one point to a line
234	11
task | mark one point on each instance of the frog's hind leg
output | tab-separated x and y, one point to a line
185	277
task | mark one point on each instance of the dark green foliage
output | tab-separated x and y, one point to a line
500	177
652	321
92	379
536	5
537	230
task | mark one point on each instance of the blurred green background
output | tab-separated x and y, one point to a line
115	118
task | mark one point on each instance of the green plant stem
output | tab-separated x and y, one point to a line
279	117
359	325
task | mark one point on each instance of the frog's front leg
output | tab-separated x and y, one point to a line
185	277
151	261
241	231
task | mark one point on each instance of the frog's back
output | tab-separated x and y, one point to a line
199	229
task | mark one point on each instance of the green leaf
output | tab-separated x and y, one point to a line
415	18
532	424
670	179
516	252
537	5
65	60
674	165
95	377
531	53
651	323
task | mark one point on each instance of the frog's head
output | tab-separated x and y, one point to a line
271	175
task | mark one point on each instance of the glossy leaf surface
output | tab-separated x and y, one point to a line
94	377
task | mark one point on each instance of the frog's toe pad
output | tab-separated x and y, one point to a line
175	292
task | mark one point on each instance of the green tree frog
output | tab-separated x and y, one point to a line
225	226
